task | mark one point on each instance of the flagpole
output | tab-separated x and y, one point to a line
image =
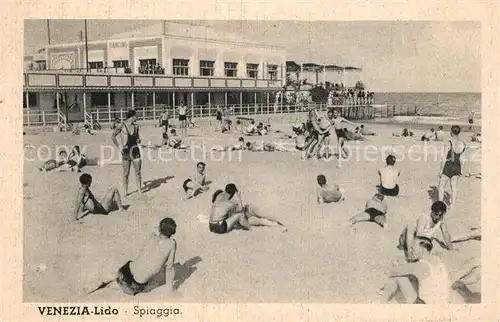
86	48
48	30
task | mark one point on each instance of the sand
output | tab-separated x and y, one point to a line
317	260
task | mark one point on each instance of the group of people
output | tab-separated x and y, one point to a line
74	162
228	211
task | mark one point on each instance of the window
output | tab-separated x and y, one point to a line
230	69
96	64
147	66
272	71
101	99
252	70
207	68
32	99
181	67
120	63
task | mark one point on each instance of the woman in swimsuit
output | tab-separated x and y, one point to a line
86	203
130	151
451	167
182	119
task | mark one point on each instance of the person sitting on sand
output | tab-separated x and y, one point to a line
427	225
174	141
228	210
153	265
389	177
439	135
452	165
251	128
424	279
235	147
476	137
86	203
364	131
76	159
428	136
196	184
375	211
405	133
264	130
327	194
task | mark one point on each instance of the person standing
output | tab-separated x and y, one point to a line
129	149
471	121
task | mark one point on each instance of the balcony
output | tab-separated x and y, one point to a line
53	81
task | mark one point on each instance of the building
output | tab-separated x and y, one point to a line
166	64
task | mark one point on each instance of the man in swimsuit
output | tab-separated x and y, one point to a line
428	226
86	203
235	147
129	149
153	265
197	183
337	121
452	165
174	141
325	194
424	279
182	109
471	121
389	178
228	204
218	118
164	119
375	211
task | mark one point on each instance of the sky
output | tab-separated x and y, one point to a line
396	56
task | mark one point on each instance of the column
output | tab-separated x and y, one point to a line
28	107
225	98
85	105
192	104
241	100
154	105
255	101
267	100
209	105
133	100
109	106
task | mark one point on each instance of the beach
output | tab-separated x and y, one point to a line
317	260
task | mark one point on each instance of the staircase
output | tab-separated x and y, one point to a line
62	122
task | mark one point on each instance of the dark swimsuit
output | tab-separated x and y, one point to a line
131	148
98	207
340	133
127	281
218	227
389	192
219	116
374	213
452	166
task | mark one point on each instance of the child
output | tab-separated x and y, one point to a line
86	203
325	194
197	183
427	226
154	265
375	211
452	165
389	177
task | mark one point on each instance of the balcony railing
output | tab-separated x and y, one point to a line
47	80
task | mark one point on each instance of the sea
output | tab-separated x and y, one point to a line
434	104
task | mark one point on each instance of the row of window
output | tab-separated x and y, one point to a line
181	67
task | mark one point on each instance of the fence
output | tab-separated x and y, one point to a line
101	114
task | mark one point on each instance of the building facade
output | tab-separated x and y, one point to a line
165	64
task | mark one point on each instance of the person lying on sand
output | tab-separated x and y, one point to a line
405	133
61	160
424	279
389	177
375	211
228	210
327	194
365	131
196	184
427	225
86	203
428	136
235	147
174	141
156	257
251	128
264	147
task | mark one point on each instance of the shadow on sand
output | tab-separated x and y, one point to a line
182	273
153	184
433	195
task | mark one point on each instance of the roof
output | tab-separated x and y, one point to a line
186	30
